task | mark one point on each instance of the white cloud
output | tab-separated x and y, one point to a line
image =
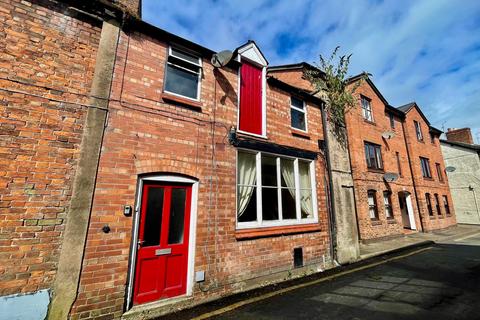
426	51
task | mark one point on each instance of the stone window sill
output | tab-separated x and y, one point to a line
375	222
275	231
182	101
300	134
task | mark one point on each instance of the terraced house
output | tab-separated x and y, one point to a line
143	172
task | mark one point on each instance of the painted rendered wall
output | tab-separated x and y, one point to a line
25	306
464	182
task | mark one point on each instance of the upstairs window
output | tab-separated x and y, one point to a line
387	200
439	172
392	121
298	114
274	191
437	205
432	138
445	204
425	164
429	204
183	74
366	109
418	130
372	204
399	166
373	156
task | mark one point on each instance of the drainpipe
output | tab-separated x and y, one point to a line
333	231
475	198
413	178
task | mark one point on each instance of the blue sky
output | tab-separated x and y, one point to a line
426	51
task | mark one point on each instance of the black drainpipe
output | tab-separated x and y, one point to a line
413	178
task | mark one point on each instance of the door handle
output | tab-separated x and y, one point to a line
140	243
161	252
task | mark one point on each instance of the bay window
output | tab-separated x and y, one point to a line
274	190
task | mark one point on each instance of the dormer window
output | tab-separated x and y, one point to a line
252	97
183	74
366	109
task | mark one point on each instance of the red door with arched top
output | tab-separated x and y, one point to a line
162	256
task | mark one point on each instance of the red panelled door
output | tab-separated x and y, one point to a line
250	98
162	258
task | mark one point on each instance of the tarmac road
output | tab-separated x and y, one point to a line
442	282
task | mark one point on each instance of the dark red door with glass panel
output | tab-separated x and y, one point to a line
162	257
250	98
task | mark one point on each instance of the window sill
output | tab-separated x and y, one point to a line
375	170
245	133
184	101
275	231
428	179
375	222
391	221
300	133
369	122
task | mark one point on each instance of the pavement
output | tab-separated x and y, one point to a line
415	276
382	246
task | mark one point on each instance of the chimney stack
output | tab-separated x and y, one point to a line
460	135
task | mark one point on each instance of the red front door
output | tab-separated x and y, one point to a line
162	258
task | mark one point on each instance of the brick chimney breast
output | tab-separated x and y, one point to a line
460	135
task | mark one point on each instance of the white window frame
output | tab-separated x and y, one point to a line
418	130
387	203
260	223
364	110
304	111
199	65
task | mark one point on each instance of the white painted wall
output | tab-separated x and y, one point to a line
30	306
464	182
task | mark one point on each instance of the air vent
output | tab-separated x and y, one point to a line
297	257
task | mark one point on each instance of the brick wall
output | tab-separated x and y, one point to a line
45	51
433	152
361	131
149	134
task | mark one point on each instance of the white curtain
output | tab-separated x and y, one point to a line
289	176
305	190
247	175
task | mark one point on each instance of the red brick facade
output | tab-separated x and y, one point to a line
47	57
361	131
148	133
460	135
429	149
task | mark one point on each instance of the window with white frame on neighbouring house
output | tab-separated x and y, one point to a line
418	130
439	172
366	109
274	190
428	200
372	204
183	74
425	164
392	120
298	113
373	155
445	204
437	204
387	200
